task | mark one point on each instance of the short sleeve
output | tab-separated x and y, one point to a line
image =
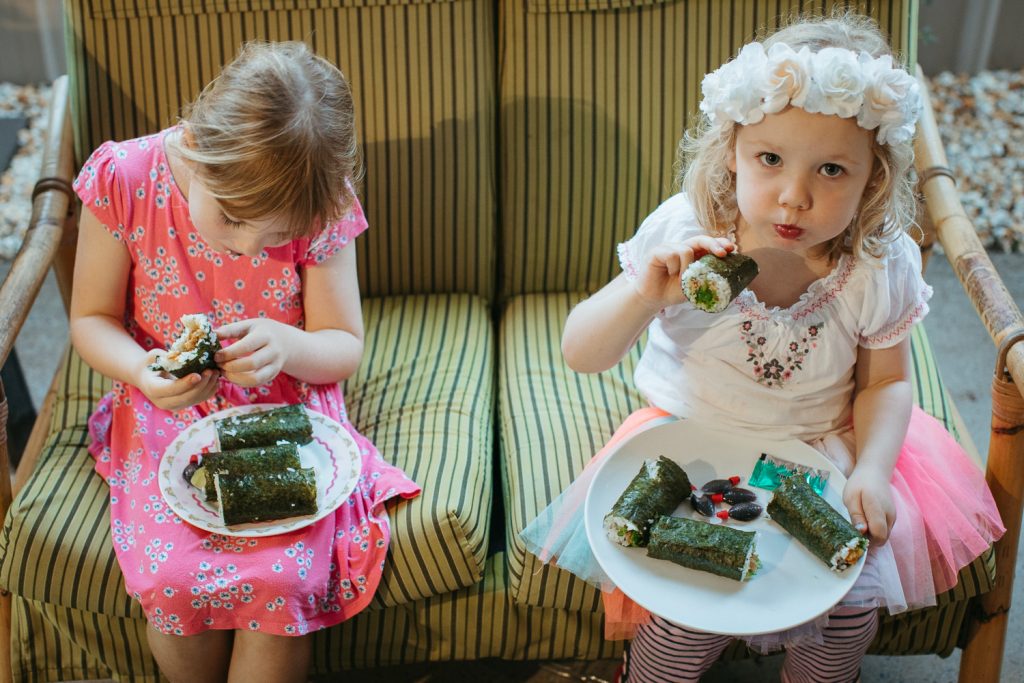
335	236
672	221
896	296
102	190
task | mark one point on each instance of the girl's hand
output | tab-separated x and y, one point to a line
258	354
170	393
868	497
659	283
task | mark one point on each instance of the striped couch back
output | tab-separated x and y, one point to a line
423	78
595	96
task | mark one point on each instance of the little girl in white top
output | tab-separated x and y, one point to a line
802	161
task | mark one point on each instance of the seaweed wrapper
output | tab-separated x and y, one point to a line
655	491
820	527
273	458
711	282
266	496
264	428
714	548
193	350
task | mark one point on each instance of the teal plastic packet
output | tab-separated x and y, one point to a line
770	470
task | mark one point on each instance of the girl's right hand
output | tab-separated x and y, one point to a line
170	393
658	284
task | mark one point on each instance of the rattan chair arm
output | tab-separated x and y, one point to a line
49	213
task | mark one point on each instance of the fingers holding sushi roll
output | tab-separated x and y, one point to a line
658	284
258	354
174	393
868	498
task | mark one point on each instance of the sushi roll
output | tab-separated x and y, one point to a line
655	491
710	283
264	428
266	496
192	351
820	527
714	548
275	458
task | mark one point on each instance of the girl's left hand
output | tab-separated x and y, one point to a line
868	497
258	354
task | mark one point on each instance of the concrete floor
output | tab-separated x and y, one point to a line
964	353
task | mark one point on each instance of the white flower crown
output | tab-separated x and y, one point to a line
831	81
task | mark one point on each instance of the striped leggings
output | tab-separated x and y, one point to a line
665	653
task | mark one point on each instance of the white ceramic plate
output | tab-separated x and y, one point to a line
792	586
332	452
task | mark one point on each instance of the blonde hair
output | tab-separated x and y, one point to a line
889	204
275	133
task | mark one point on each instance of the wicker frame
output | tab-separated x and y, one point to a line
50	243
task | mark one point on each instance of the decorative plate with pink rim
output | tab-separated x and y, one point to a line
332	452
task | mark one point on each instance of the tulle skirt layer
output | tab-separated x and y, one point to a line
945	518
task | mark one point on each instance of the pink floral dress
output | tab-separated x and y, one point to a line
188	580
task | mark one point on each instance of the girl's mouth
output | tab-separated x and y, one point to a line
788	232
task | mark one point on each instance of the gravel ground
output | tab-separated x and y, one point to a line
980	118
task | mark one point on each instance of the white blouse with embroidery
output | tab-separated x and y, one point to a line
784	372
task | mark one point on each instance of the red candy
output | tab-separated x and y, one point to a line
722	514
717	497
735	480
194	460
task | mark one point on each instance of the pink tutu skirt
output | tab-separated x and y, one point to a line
945	518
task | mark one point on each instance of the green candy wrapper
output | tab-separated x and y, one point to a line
714	548
266	496
264	428
817	525
770	471
655	491
272	458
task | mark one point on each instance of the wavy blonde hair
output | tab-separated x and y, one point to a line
275	133
889	204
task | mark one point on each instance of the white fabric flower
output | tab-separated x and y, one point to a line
733	92
787	78
837	84
892	101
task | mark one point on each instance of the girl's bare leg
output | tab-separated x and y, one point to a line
202	658
270	659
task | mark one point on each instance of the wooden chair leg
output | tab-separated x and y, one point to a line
986	631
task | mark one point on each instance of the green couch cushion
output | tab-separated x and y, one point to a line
424	87
552	420
423	395
60	643
595	96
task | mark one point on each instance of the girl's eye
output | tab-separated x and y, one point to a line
832	170
770	158
228	222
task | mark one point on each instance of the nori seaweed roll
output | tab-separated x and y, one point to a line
820	527
267	427
714	548
265	496
655	491
274	458
193	350
710	283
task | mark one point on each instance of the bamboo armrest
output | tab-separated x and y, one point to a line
996	308
50	205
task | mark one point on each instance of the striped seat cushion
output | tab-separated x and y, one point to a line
423	395
552	420
595	96
423	83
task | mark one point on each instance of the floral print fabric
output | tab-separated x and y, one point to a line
188	580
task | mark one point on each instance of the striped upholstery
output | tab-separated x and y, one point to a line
552	420
423	395
60	643
424	92
593	103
